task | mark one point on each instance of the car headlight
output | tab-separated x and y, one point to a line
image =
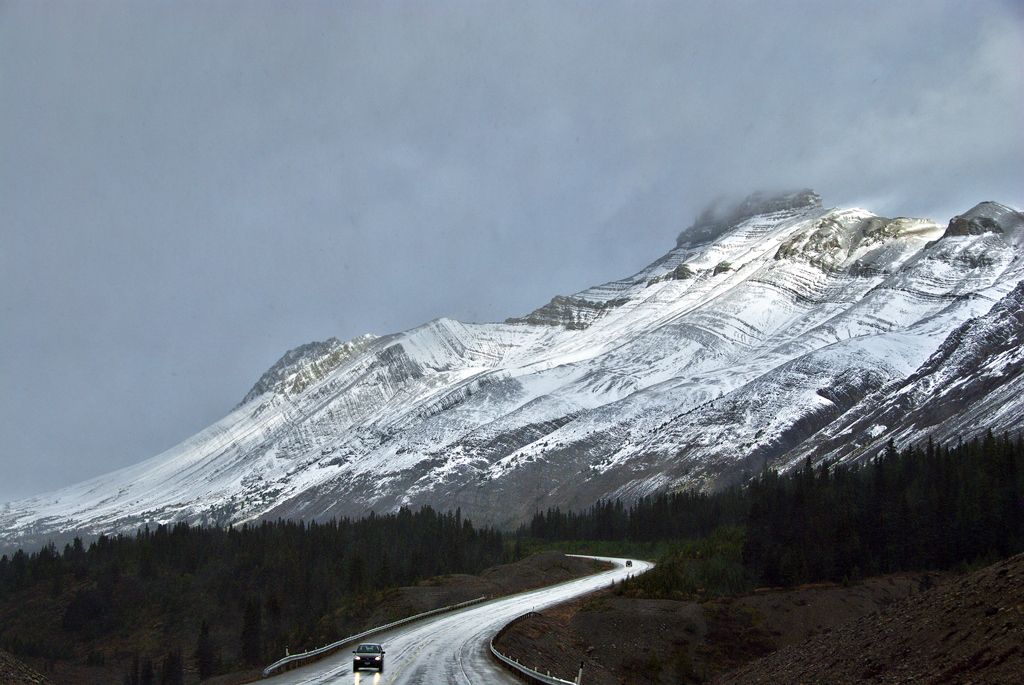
377	658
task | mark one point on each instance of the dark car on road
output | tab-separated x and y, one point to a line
369	655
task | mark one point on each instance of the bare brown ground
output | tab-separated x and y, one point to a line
538	570
968	629
625	641
14	672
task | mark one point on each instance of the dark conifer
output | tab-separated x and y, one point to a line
206	654
173	670
252	633
147	675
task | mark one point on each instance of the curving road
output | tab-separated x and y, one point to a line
451	649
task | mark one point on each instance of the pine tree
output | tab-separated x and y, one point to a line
274	626
147	676
252	633
206	654
173	671
132	677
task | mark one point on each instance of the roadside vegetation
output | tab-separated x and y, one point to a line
151	607
709	567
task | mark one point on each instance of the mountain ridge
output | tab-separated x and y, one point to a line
739	348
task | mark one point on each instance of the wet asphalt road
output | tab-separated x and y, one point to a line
450	649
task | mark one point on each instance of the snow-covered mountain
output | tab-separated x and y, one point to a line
772	330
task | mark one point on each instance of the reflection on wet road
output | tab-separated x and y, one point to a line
451	649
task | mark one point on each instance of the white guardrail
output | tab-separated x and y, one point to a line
315	654
530	674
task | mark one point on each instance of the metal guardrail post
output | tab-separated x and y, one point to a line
532	675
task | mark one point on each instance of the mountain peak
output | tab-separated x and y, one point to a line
788	326
986	217
721	215
306	363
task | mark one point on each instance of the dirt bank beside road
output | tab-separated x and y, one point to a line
968	629
537	570
625	640
13	672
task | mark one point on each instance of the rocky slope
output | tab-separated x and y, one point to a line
672	642
974	379
13	672
969	630
771	330
902	628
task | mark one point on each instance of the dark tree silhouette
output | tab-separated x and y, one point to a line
252	633
206	653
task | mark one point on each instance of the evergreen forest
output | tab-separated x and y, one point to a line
224	599
184	599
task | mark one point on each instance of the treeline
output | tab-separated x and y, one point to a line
224	599
926	507
665	516
930	507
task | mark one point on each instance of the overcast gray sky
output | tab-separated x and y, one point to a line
188	189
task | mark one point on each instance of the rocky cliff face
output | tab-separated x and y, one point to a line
973	382
306	364
772	330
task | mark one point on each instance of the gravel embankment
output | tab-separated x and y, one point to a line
629	641
13	672
969	629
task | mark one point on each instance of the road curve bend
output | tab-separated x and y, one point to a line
452	649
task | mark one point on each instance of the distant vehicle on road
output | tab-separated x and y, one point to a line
629	562
369	655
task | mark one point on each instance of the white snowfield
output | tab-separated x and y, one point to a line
452	649
720	357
